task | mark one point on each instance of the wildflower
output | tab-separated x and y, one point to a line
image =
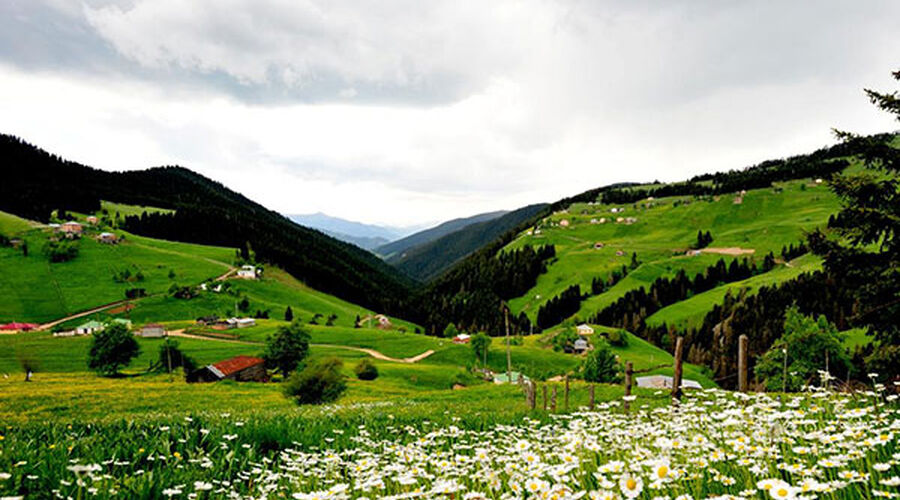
631	486
201	486
781	490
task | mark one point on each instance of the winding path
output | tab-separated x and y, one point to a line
371	352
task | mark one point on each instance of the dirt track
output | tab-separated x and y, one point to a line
371	352
729	250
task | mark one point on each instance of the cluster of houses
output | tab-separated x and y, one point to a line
72	230
150	330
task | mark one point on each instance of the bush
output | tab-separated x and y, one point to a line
287	348
618	338
600	365
564	339
61	251
320	382
366	370
112	348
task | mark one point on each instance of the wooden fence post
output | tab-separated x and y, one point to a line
566	397
545	396
592	398
553	400
676	380
629	373
742	363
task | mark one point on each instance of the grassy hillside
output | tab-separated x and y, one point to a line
689	313
763	221
11	225
34	290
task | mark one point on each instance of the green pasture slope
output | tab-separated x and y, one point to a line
690	313
764	221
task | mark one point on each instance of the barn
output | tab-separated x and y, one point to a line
239	368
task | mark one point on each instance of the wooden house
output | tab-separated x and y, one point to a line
239	368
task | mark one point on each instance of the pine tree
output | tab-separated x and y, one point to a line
288	314
864	249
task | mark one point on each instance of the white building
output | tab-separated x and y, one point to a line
247	272
584	329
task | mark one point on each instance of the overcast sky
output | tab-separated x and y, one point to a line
406	112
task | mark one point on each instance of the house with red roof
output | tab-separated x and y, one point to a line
239	368
18	327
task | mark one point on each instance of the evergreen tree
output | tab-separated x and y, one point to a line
288	314
864	249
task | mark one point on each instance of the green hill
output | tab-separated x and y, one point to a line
423	237
663	230
32	289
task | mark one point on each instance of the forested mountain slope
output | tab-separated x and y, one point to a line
398	247
430	260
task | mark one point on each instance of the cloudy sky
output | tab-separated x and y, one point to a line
408	112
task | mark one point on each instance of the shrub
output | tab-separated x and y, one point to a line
366	370
112	348
564	339
320	382
287	348
600	365
61	251
618	338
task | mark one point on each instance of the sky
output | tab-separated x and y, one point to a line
409	112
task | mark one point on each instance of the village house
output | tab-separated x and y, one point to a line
665	382
580	346
462	338
620	219
616	210
693	253
71	228
89	328
18	327
239	368
514	377
620	253
598	245
383	321
151	331
240	323
564	223
207	320
584	329
109	238
92	220
247	272
630	220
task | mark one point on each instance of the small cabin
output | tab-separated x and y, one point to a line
151	331
584	329
239	368
665	382
462	338
89	328
109	238
71	228
580	346
92	220
247	272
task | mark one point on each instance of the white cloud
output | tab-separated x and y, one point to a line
403	112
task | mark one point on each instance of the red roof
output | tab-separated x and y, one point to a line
19	326
237	364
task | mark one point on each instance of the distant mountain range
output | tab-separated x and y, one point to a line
367	236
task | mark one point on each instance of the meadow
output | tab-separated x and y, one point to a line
472	444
